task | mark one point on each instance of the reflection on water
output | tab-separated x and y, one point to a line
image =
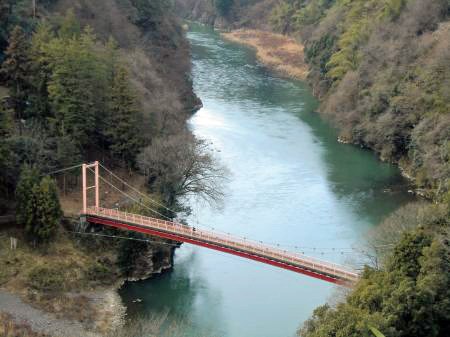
291	183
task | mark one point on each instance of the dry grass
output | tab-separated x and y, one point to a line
280	53
63	258
10	328
50	279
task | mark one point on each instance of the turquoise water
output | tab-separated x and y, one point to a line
290	183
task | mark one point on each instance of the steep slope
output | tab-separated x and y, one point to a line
380	68
154	45
83	80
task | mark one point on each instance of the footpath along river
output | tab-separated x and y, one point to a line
290	183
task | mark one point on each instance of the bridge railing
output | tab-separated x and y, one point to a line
246	245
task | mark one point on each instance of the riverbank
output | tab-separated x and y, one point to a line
27	320
282	54
58	288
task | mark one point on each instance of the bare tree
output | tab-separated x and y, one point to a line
180	166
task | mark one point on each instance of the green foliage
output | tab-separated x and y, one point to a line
356	29
29	178
46	278
16	68
408	298
48	210
38	207
383	71
99	272
82	90
281	18
311	13
76	86
376	332
130	251
149	13
13	13
320	51
68	151
294	15
223	7
123	122
393	8
69	27
6	159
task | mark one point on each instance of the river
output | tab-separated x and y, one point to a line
291	183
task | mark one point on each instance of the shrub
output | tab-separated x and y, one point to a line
47	278
99	272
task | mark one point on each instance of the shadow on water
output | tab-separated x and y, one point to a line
175	293
355	174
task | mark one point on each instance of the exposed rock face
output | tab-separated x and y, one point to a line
154	260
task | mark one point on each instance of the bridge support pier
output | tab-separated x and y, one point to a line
94	165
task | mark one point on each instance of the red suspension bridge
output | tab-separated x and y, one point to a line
211	239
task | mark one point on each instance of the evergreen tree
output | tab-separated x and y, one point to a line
38	207
70	27
223	6
29	178
48	211
77	86
16	69
68	151
111	58
5	11
410	297
5	153
6	125
39	102
122	131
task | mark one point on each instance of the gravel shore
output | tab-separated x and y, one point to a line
40	321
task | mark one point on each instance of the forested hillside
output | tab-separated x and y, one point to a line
90	79
382	71
86	80
380	68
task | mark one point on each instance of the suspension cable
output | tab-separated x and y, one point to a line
320	250
269	243
136	190
62	170
131	198
124	238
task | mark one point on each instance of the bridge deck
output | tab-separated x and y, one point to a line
226	243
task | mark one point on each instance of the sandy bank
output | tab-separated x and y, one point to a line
280	53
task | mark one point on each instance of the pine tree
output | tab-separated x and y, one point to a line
70	27
48	211
6	128
38	207
39	102
16	69
29	178
76	86
68	151
122	131
6	124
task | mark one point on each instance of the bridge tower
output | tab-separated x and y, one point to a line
96	184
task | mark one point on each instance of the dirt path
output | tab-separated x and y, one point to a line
38	320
